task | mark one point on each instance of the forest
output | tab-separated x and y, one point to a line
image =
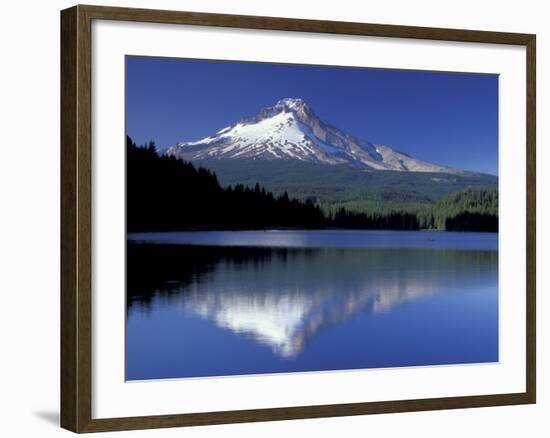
165	193
471	209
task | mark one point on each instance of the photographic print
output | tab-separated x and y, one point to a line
286	218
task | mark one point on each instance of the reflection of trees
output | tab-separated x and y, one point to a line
163	270
283	297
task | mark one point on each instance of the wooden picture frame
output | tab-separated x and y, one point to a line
76	218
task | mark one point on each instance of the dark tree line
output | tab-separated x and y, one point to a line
167	193
472	209
472	222
388	221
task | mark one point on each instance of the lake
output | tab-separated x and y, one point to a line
221	303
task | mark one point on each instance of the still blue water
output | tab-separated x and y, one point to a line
230	303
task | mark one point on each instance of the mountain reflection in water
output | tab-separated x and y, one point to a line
282	298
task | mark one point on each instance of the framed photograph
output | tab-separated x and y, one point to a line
268	219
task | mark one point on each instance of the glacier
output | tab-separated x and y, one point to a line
290	130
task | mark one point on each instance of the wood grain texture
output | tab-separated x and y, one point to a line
76	219
69	331
299	25
531	216
303	412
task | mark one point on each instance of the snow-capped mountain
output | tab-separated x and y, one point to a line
290	130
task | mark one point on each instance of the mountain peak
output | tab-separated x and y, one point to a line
291	103
290	130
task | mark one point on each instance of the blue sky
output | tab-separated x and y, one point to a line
447	118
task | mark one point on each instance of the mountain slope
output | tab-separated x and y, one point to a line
291	131
345	186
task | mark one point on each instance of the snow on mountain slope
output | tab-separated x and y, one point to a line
290	130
